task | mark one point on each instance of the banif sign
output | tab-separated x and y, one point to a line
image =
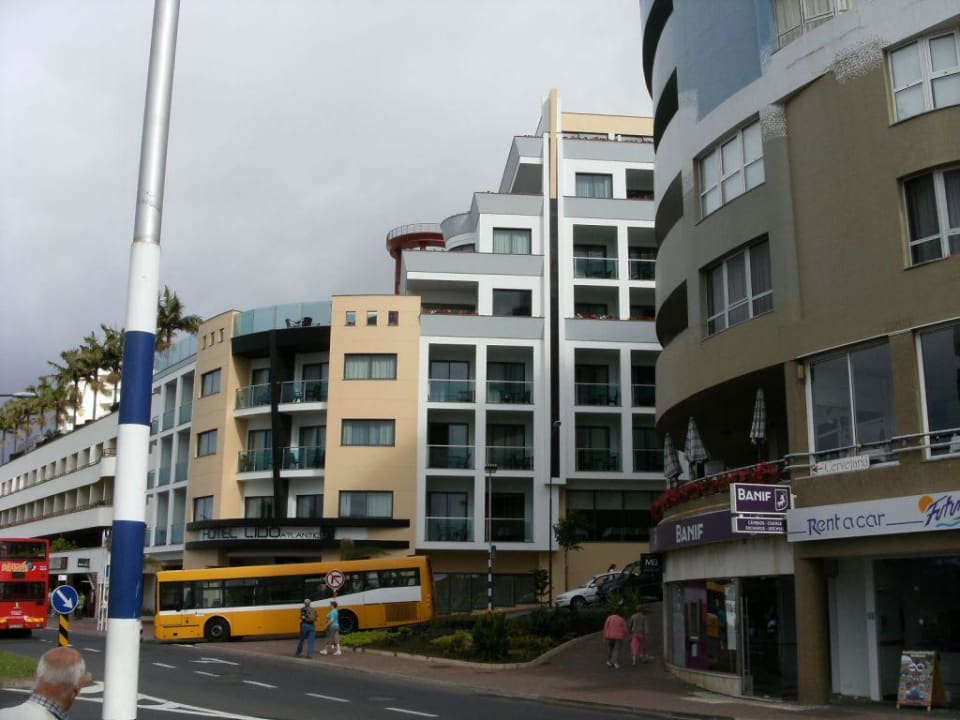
759	499
892	516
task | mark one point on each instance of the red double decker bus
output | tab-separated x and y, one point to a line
24	569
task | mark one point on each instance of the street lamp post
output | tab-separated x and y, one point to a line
556	432
490	470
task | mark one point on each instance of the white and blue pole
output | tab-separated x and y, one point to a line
133	434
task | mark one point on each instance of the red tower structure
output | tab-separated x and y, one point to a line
418	236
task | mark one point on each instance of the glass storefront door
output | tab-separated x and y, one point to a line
769	637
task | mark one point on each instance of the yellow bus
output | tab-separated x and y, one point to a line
244	601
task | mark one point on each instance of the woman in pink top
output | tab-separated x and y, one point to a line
614	631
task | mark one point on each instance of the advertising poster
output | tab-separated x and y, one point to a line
920	683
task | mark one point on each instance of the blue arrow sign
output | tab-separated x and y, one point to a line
65	599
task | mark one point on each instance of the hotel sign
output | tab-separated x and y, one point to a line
892	516
265	533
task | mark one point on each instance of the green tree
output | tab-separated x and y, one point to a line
92	361
69	374
113	357
568	532
171	320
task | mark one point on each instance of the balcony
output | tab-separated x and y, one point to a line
253	396
644	395
595	268
510	458
151	478
647	460
180	471
602	459
304	458
642	269
167	419
154	425
160	536
255	461
452	391
509	530
148	536
449	529
458	457
299	391
277	317
509	392
597	394
163	478
186	413
176	534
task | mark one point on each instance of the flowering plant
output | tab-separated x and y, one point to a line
762	474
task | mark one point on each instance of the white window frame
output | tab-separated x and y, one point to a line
808	19
723	174
927	74
944	229
747	300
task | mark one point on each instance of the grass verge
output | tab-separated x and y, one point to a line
16	667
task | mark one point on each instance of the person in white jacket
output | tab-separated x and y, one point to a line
60	676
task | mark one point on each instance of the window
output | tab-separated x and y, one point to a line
351	318
852	396
511	241
739	288
210	383
370	367
207	443
393	318
310	506
203	508
925	74
368	432
940	351
933	215
366	504
795	17
258	507
731	168
512	303
593	185
371	317
611	515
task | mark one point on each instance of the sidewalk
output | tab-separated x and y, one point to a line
574	673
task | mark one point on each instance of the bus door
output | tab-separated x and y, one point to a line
180	607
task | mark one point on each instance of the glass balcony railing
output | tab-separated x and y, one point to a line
509	530
255	461
451	391
160	536
276	317
644	395
510	392
642	269
510	458
450	456
597	394
304	458
253	396
167	419
148	536
298	391
176	534
604	268
449	529
647	460
154	425
604	460
186	413
163	477
180	471
151	478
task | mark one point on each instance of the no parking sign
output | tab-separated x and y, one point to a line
335	580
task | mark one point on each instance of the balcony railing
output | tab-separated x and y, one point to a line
253	396
605	268
509	530
167	421
598	459
597	394
510	392
449	529
304	458
163	478
644	394
297	391
160	536
186	413
151	478
510	457
180	471
148	536
255	461
450	456
451	390
642	269
176	534
647	460
154	425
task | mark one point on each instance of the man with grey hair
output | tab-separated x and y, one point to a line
61	674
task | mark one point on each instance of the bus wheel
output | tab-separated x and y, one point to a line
216	630
348	622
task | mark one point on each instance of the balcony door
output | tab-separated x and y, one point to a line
313	444
450	381
449	445
508	447
593	384
315	376
447	519
508	520
259	450
593	448
260	380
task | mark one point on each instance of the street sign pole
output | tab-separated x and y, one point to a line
64	600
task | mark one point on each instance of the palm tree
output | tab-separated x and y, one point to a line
112	356
70	373
92	360
171	320
7	427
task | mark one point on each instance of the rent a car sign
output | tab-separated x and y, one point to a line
889	516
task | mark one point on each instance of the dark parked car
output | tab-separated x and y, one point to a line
641	578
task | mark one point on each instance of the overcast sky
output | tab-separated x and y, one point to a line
301	132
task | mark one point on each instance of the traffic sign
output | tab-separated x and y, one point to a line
64	599
334	580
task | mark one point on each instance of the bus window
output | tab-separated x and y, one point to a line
352	583
315	588
281	590
22	591
372	580
171	596
239	592
211	594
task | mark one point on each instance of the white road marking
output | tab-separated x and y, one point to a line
410	712
260	684
183	645
208	660
93	650
164	665
201	672
93	688
327	697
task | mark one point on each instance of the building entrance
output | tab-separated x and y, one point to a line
769	637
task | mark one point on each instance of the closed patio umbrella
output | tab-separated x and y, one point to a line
693	447
671	463
758	428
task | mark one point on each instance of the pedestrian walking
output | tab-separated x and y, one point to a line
638	636
81	606
60	676
614	631
333	630
308	628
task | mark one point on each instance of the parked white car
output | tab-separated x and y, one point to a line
586	594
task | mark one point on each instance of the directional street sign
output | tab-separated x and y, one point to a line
65	599
334	580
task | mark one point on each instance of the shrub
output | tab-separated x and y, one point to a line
549	622
490	639
363	639
457	643
530	646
